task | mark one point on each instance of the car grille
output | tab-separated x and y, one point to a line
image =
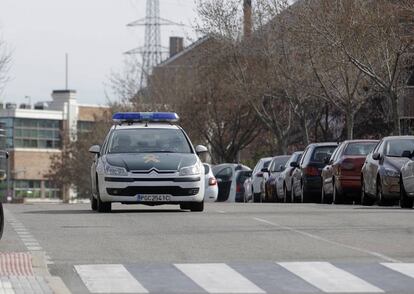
168	190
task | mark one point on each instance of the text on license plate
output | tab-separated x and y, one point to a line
154	198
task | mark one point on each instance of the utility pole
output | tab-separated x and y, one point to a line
152	50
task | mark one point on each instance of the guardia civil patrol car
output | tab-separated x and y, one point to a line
147	159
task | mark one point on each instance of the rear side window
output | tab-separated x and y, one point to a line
359	148
225	173
320	153
206	169
278	163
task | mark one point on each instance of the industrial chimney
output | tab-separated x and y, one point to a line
176	45
247	9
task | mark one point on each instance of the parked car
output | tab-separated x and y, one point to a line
227	175
381	172
254	185
240	190
284	180
407	182
211	186
276	167
341	178
307	180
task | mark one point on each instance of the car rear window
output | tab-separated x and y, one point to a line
278	162
361	148
320	153
243	176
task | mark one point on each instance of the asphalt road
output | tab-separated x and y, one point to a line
229	248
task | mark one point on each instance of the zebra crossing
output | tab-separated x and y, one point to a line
264	277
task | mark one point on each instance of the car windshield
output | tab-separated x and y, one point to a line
360	148
320	153
395	148
149	141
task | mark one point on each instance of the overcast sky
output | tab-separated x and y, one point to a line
93	32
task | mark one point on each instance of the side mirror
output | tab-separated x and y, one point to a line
376	156
95	149
294	164
201	149
281	168
407	154
265	170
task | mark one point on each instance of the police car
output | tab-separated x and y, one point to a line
147	159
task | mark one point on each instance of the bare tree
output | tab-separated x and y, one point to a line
369	35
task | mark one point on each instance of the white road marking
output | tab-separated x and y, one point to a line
218	278
329	278
109	278
366	251
403	268
221	211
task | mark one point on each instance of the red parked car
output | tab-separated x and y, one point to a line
341	177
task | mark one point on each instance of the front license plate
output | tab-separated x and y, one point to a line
154	198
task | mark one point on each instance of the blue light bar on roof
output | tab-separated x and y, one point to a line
145	117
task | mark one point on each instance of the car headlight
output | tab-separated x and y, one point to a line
391	172
115	170
190	170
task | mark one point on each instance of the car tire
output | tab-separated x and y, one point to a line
405	201
102	207
325	198
380	195
365	199
94	203
286	197
303	195
337	197
256	197
197	206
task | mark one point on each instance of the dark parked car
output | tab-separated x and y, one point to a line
407	183
241	178
307	180
381	172
284	180
341	178
277	166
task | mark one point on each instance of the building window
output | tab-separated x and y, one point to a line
8	124
85	126
27	189
36	133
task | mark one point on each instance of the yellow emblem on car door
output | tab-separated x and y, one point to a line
151	158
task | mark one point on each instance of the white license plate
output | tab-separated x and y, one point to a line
154	198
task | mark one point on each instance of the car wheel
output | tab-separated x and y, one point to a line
365	199
102	207
303	194
197	206
94	203
325	199
405	201
337	197
256	197
380	195
286	197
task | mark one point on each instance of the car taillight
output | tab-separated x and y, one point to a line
238	188
212	182
311	171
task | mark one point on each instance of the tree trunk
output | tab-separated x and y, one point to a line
304	130
350	117
395	113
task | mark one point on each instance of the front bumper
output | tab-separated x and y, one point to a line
127	190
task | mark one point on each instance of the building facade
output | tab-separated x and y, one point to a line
35	135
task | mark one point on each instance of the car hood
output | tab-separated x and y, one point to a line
395	162
148	161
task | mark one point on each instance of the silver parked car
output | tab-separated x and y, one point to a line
284	180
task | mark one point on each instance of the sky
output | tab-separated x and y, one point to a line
94	34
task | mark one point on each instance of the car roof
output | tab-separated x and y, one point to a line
360	141
281	156
143	125
398	137
323	144
230	165
297	152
